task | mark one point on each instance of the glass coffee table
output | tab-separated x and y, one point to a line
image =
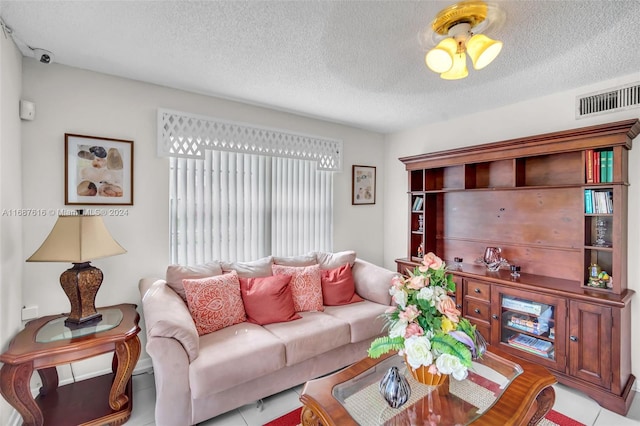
499	390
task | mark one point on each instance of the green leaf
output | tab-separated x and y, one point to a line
384	344
445	344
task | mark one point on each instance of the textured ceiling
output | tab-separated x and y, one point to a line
359	63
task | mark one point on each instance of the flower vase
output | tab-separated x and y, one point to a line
422	375
394	388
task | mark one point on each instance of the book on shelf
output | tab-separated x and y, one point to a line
609	166
606	166
598	166
589	165
598	201
524	306
417	204
537	325
588	201
531	344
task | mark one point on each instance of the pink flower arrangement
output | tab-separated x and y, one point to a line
425	326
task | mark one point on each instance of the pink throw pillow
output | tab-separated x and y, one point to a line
306	287
214	302
338	287
268	299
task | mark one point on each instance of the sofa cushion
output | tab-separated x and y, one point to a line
234	355
372	281
304	260
215	302
268	299
306	286
364	318
255	268
314	334
334	260
338	287
177	273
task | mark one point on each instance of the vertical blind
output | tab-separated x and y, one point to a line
238	207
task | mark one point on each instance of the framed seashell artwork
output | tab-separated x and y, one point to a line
97	170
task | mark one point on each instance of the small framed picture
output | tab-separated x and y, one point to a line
363	190
97	171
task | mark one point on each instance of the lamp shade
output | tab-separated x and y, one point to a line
77	239
482	50
440	58
459	69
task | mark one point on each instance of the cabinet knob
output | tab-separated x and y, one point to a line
573	338
477	290
494	316
476	310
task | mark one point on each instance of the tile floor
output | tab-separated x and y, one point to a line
568	402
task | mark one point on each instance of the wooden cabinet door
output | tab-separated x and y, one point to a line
513	338
590	328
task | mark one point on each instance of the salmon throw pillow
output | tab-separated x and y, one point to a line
338	287
268	299
214	302
305	286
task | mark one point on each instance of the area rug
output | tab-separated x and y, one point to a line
553	418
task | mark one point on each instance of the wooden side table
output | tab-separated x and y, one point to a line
47	342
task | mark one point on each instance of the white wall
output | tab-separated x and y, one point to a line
70	100
10	198
542	115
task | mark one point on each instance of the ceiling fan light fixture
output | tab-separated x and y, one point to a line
458	70
461	24
482	50
440	59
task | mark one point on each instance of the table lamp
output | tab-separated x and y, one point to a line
79	239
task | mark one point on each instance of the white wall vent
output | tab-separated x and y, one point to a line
610	100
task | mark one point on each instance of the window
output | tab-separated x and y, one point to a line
238	206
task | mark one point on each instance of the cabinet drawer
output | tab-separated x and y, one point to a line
484	329
476	309
477	290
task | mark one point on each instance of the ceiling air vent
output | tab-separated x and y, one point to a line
603	102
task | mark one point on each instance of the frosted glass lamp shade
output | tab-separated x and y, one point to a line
459	69
440	58
482	50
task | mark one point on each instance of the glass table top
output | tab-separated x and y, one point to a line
57	330
453	403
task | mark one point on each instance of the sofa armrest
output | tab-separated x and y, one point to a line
372	281
166	315
171	375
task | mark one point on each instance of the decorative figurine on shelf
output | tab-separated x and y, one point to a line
601	231
420	223
598	278
515	271
421	250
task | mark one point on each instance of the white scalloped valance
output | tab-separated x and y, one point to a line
182	134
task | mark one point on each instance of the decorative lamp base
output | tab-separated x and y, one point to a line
81	284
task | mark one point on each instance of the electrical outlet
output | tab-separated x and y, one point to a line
29	313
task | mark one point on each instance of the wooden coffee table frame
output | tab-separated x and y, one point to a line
525	402
79	403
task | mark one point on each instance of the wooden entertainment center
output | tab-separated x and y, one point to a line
532	198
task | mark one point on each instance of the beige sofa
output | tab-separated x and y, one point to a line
199	377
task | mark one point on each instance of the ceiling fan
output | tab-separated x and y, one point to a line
457	32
